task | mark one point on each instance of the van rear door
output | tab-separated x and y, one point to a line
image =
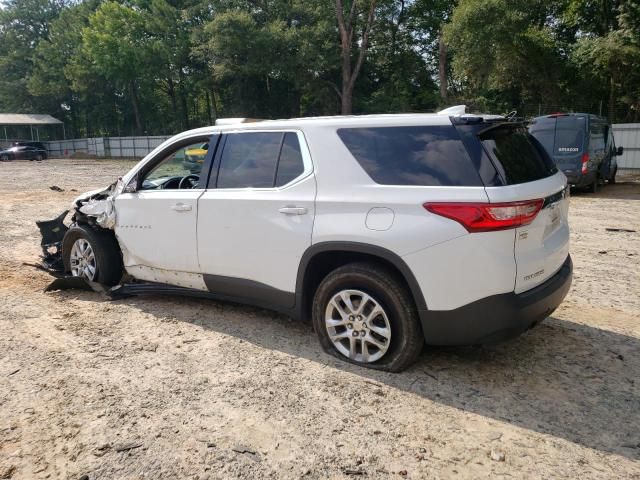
542	246
565	139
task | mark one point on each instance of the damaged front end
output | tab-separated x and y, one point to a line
95	208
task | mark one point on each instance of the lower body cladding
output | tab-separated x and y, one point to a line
498	317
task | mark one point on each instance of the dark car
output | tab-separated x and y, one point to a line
38	145
23	153
581	145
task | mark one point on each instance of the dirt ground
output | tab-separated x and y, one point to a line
168	387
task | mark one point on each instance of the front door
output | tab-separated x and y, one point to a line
156	224
256	218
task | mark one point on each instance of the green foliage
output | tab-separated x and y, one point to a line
118	67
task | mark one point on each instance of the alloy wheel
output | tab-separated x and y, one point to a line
83	260
358	326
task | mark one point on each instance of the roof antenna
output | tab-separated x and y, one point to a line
511	115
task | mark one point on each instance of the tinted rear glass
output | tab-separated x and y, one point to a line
518	156
290	165
560	135
249	160
426	156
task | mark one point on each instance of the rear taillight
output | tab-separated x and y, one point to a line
486	217
585	161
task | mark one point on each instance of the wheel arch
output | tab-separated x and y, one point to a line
321	258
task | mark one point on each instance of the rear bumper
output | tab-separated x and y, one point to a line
579	179
499	317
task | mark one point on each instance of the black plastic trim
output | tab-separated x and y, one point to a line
249	291
498	317
357	247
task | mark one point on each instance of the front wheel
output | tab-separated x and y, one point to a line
4	158
363	314
39	158
92	254
612	179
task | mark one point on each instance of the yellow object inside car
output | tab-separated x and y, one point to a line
197	154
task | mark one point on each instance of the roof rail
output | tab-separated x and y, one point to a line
233	121
455	110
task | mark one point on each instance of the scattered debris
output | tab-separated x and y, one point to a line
56	188
497	456
351	471
14	372
602	252
625	230
128	446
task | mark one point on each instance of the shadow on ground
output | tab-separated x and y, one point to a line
564	379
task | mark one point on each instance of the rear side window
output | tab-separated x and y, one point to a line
420	155
260	160
290	165
518	156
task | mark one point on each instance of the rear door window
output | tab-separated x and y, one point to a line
260	160
249	160
412	155
518	156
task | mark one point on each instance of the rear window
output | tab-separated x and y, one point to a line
518	156
416	155
560	135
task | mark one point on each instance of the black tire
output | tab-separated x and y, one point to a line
593	188
109	269
612	179
39	158
407	339
4	158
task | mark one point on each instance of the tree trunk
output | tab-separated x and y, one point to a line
612	98
214	104
183	100
346	26
208	100
136	109
347	92
442	68
171	90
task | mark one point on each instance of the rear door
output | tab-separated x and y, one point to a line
565	139
256	217
542	246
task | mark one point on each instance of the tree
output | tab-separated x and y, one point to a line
507	47
117	43
347	27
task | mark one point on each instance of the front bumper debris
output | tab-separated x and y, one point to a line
52	232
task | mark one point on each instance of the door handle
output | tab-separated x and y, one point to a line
289	210
181	207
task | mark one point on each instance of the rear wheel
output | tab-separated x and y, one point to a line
363	314
4	158
593	188
93	255
612	179
38	158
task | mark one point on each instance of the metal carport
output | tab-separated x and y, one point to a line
31	120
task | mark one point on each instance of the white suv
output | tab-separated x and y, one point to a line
387	230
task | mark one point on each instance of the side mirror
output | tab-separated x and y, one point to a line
619	151
132	186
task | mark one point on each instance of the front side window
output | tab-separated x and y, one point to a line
179	169
260	160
